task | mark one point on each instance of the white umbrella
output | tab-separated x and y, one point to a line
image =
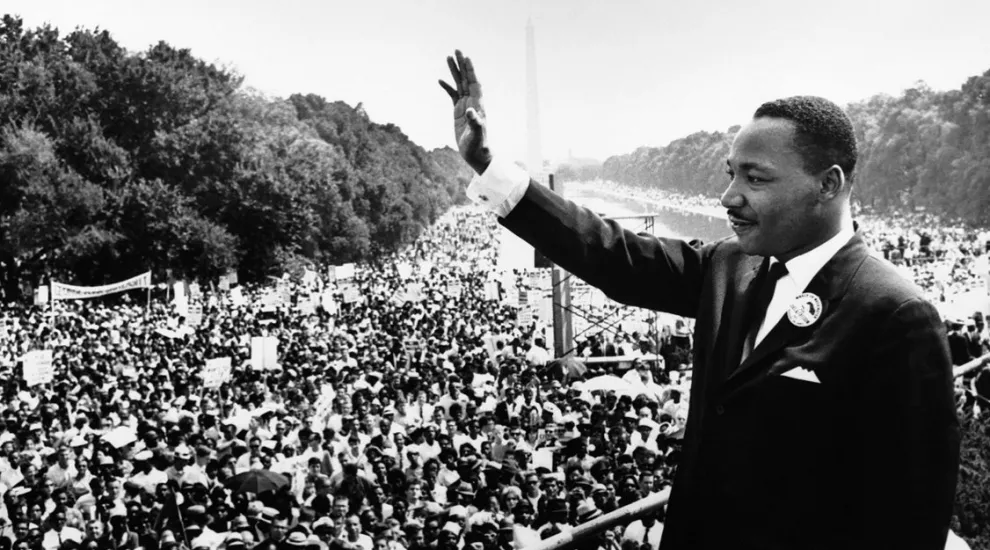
120	437
614	383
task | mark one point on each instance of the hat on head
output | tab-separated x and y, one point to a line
465	488
297	539
459	512
234	540
324	521
239	522
183	452
269	514
452	528
587	511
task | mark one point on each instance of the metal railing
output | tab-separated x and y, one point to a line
625	514
654	501
975	364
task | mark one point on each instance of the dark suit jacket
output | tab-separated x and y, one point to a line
867	458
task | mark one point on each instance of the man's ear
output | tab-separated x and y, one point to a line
833	183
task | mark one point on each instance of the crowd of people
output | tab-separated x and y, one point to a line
410	404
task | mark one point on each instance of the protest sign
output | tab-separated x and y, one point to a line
344	272
41	295
491	291
264	353
525	317
216	373
194	318
328	303
38	367
352	295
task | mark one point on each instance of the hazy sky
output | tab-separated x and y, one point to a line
613	75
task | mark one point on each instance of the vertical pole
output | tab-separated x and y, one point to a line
563	333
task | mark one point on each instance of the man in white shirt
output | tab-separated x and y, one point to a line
59	532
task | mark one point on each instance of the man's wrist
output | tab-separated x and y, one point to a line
502	185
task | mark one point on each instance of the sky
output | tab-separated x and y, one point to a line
612	75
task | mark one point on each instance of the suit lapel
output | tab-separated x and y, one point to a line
829	284
733	331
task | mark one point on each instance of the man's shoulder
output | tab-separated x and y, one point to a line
878	283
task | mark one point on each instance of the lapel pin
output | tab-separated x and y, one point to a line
805	310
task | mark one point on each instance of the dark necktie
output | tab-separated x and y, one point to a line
758	309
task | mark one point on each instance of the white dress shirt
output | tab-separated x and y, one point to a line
800	271
500	188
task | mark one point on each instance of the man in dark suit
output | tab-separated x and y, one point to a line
821	411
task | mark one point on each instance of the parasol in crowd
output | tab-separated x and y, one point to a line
119	437
256	481
614	383
566	369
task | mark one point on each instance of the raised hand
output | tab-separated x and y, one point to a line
469	115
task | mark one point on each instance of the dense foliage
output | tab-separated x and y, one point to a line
973	488
113	163
920	150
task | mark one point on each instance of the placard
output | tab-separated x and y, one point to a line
38	368
351	295
344	272
328	303
264	353
41	295
216	372
194	318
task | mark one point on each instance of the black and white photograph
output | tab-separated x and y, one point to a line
478	275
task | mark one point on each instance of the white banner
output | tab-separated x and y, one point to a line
216	372
69	292
38	367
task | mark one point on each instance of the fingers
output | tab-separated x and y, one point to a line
455	72
462	85
450	90
472	86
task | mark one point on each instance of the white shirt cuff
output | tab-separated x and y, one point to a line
500	188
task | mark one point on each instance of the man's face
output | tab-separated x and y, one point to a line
340	508
353	526
774	205
279	526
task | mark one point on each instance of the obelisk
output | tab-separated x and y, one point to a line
534	156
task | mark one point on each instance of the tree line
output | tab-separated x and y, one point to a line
920	150
114	162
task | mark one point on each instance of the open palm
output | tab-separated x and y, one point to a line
469	114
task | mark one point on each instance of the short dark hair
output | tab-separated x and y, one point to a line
824	133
